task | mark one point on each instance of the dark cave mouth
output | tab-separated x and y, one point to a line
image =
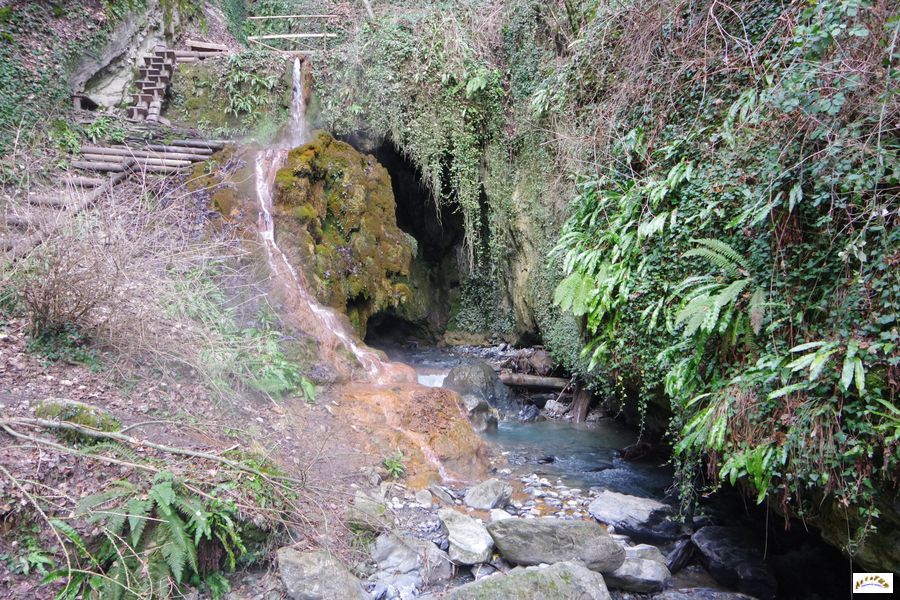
435	272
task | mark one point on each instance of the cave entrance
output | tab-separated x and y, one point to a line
435	271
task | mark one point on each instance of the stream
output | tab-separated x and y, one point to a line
580	455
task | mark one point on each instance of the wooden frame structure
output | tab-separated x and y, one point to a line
261	40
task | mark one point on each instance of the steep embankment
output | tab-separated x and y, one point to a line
730	249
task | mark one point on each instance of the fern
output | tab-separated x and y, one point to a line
574	293
151	539
721	255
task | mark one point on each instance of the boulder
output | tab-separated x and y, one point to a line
640	518
317	576
550	540
479	379
734	558
498	514
368	512
529	414
489	494
482	415
470	543
700	594
564	580
679	557
646	552
555	409
403	555
639	575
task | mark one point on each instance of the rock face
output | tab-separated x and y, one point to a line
640	518
470	543
335	212
478	379
489	494
482	415
735	559
420	561
317	576
561	581
639	575
549	540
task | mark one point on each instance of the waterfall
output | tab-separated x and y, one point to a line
326	325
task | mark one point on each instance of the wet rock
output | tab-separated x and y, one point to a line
470	543
700	594
561	580
489	494
734	557
680	555
529	414
556	409
639	575
482	415
640	518
550	540
424	562
479	379
317	576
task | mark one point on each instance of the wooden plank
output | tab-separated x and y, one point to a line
98	166
81	181
205	152
266	17
290	36
209	144
159	162
135	153
205	45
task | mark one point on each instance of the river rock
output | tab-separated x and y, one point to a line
640	518
679	557
498	514
734	557
639	575
470	543
555	409
550	540
700	594
317	576
489	494
563	580
482	415
405	555
368	512
479	379
646	552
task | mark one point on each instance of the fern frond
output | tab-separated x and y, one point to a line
757	309
89	503
138	514
724	250
573	293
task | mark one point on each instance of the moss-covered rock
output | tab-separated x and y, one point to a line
77	413
335	216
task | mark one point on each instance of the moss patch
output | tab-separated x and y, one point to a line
76	413
335	214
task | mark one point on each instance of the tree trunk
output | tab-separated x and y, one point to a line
580	403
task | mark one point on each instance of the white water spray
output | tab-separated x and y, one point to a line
267	164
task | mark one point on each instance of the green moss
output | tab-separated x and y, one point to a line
335	212
77	413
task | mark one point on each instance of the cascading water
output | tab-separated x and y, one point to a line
330	328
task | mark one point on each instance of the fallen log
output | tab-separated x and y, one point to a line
534	381
156	162
205	152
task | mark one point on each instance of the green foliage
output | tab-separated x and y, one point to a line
105	129
394	464
153	540
31	557
64	343
736	215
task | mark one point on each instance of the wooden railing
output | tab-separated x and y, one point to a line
261	40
